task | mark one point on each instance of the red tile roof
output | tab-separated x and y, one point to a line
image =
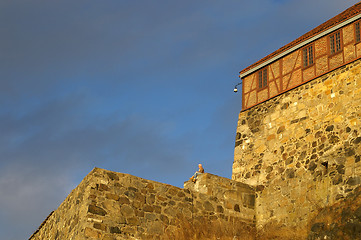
345	15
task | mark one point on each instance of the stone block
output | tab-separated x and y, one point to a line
112	196
100	226
96	210
91	233
155	227
133	221
127	211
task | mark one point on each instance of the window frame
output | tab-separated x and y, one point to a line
262	81
357	31
333	43
306	60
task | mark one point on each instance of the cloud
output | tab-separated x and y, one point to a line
28	194
46	149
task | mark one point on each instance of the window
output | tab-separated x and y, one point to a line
335	43
307	54
357	31
262	78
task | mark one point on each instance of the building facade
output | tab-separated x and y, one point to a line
329	46
299	131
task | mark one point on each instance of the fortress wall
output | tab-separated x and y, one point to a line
237	198
112	206
302	149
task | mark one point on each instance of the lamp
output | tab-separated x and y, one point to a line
235	87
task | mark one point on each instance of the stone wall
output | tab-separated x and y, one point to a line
302	148
339	221
237	198
111	206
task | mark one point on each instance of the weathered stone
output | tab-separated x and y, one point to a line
208	206
353	230
132	189
100	226
115	230
312	166
354	181
112	196
161	198
317	227
108	237
229	205
112	176
269	169
148	208
341	169
96	210
180	194
290	173
103	187
164	219
236	208
89	232
157	209
138	204
329	128
129	229
150	216
133	221
337	180
151	199
357	140
123	200
289	160
139	213
127	211
170	211
155	227
334	139
173	191
281	129
139	197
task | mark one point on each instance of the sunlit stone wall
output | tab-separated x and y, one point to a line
302	148
112	206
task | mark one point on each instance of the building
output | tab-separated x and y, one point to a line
299	131
329	46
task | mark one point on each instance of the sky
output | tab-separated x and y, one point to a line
133	86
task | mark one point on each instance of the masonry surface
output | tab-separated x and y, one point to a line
302	149
111	206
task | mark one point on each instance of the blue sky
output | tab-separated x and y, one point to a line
140	87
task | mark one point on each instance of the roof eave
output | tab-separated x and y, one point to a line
300	45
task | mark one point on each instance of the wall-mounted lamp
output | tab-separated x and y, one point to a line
235	87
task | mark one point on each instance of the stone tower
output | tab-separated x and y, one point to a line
299	131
